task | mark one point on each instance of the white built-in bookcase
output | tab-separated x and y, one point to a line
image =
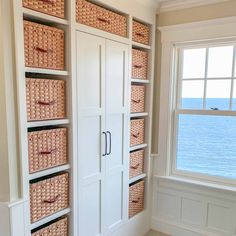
70	26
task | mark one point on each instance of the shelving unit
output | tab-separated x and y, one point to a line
69	75
20	14
147	114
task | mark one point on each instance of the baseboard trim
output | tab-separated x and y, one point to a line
175	229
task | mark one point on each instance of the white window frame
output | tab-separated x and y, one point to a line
173	38
177	110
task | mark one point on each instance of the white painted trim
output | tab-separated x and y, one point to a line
194	25
166	6
12	220
198	31
179	182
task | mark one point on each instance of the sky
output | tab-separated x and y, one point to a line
219	66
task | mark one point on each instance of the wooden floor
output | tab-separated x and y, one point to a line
154	233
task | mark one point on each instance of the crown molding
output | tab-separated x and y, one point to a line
173	5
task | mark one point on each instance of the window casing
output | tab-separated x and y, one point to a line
204	90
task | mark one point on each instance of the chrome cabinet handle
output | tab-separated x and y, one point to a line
105	144
110	144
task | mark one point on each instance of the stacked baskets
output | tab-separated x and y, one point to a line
141	36
44	48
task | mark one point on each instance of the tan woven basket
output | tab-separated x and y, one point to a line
45	99
136	198
98	17
47	148
50	7
137	98
44	46
137	132
49	196
136	163
139	64
141	33
58	228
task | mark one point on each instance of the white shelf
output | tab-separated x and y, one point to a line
138	147
50	218
34	15
136	178
35	124
46	71
141	114
140	45
143	81
49	172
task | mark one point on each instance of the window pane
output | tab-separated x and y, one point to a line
194	63
192	94
220	62
218	94
207	145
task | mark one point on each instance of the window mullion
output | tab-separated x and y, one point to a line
205	78
232	79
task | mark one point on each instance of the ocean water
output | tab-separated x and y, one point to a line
207	144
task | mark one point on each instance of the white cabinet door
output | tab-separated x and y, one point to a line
102	80
116	125
91	123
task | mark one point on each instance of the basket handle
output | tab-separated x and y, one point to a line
140	34
138	66
47	152
46	103
136	201
136	135
136	101
52	200
48	1
103	20
39	49
135	167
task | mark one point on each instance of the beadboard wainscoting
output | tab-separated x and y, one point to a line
191	209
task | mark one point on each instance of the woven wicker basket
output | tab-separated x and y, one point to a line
137	98
98	17
45	99
58	228
141	33
47	148
50	7
136	198
136	163
139	64
137	132
49	196
44	46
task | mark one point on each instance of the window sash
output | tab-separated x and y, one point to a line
177	110
180	78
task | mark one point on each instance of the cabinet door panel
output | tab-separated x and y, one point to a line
90	161
91	123
90	210
116	124
90	69
116	76
115	199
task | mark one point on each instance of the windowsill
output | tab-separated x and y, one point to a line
198	183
